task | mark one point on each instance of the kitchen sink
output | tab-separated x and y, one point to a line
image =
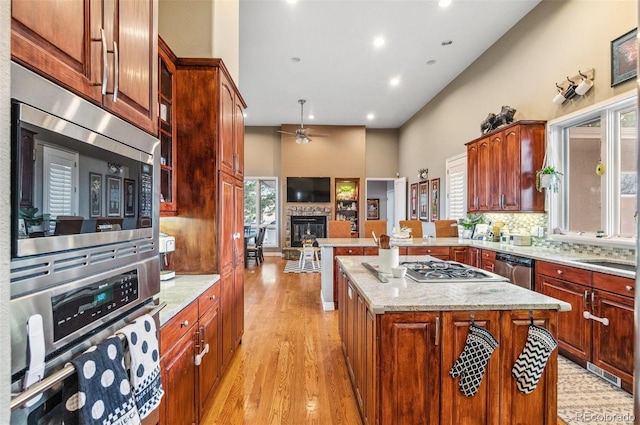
609	263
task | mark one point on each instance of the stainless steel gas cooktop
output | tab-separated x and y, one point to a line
440	271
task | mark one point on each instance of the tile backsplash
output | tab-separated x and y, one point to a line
525	221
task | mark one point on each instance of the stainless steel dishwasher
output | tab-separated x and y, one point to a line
519	270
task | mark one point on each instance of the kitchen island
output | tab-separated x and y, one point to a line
401	338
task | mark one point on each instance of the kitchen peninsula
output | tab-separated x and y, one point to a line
400	339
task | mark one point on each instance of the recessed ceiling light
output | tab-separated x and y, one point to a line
431	62
378	41
370	117
394	81
444	3
295	59
447	43
311	116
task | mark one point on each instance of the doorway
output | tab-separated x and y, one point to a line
392	196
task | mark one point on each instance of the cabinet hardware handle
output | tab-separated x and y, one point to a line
184	324
116	71
629	288
105	71
560	271
592	297
585	301
212	297
198	359
350	292
602	320
437	330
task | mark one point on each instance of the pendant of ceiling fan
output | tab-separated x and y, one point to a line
303	135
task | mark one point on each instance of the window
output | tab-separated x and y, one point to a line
597	153
60	176
457	187
261	207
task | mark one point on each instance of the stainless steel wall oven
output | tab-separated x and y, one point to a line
84	216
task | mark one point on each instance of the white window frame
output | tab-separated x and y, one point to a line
556	202
272	228
456	165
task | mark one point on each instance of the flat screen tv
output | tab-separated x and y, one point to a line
309	189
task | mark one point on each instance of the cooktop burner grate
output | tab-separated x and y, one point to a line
430	271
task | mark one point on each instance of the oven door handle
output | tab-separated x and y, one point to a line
22	398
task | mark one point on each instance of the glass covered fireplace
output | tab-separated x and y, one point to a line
307	227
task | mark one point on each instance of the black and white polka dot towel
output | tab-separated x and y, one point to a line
103	392
143	362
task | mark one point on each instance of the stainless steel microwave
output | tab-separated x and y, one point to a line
81	177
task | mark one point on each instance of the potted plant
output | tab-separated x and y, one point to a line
32	220
548	178
469	223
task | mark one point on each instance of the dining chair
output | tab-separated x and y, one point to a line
379	227
255	250
446	228
68	225
415	226
338	229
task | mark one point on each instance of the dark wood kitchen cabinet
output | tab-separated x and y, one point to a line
399	365
488	260
93	48
599	327
209	223
190	362
501	169
167	128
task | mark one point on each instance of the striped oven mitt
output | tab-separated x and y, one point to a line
472	362
531	363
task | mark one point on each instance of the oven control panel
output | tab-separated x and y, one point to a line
76	309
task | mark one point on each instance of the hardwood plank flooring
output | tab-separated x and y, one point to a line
289	369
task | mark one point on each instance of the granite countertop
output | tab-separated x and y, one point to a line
537	253
404	294
181	291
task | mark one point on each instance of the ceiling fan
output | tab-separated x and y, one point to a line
303	135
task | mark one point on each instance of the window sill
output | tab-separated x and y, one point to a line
613	242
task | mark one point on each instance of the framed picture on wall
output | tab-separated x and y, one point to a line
95	195
624	57
435	199
114	196
423	205
373	209
413	213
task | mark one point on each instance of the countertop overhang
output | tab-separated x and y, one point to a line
406	295
535	252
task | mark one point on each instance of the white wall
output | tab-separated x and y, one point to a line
553	41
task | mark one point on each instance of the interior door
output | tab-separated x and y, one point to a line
400	199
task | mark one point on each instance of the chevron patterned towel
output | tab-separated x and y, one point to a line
529	366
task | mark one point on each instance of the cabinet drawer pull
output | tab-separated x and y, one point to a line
602	320
560	271
586	300
437	330
198	359
212	298
629	288
184	324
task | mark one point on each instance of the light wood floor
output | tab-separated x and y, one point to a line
289	368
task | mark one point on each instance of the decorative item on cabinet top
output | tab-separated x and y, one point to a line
579	84
493	121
